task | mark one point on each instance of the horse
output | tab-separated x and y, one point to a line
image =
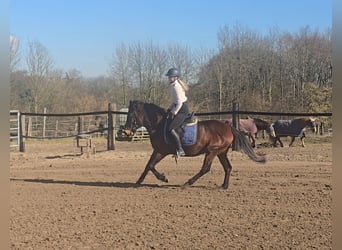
214	138
261	125
251	126
248	127
294	128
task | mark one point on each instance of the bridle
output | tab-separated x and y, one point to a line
132	119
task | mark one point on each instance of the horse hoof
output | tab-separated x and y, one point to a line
163	178
185	185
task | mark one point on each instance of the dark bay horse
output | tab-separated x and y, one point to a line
214	138
294	128
261	125
251	126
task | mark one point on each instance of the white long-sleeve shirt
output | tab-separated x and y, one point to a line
178	97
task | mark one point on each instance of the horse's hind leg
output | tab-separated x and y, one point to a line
253	140
281	143
154	159
205	169
227	169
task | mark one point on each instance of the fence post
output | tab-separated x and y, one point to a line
29	126
78	130
44	124
56	131
20	134
322	128
110	137
114	124
236	119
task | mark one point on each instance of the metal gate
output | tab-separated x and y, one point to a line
14	135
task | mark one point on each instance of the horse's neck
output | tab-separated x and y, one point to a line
152	121
301	123
262	125
308	123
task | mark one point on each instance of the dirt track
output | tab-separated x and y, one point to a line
59	201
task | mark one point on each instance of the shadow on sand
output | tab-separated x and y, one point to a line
100	184
71	155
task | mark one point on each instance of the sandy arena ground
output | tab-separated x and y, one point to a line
62	201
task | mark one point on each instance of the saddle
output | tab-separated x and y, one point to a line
190	119
187	131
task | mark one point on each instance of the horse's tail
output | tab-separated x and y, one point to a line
243	144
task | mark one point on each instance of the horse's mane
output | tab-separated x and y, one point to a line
150	106
259	120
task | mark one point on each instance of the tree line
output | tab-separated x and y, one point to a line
277	72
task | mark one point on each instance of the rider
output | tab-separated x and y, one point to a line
179	107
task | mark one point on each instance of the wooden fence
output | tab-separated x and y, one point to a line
73	125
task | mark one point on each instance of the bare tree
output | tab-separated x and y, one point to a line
120	71
182	58
39	63
154	70
148	64
14	52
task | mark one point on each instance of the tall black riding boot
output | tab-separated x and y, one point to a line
180	151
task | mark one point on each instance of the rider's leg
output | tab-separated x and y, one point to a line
180	150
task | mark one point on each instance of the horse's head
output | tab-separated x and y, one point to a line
312	124
134	121
141	114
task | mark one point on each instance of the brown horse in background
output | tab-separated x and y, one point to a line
214	138
261	125
248	127
294	128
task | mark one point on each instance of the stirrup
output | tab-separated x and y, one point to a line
180	153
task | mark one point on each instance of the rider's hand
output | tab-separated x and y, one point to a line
169	115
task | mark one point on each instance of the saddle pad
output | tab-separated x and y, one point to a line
190	134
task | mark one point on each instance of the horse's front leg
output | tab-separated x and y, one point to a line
154	159
292	140
281	143
302	140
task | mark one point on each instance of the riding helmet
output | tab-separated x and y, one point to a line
173	72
